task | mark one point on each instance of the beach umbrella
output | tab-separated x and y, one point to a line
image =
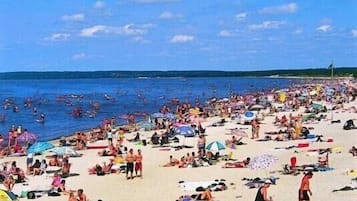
239	132
215	146
262	162
249	116
184	130
39	147
60	151
27	137
7	196
256	107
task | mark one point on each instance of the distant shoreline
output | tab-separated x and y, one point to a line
321	73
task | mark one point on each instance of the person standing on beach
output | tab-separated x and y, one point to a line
139	164
304	189
262	194
201	145
130	158
110	136
255	129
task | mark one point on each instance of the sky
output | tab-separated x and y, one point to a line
230	35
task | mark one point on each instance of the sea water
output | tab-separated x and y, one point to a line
116	96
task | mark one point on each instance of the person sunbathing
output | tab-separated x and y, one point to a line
54	161
110	151
205	195
182	163
66	168
172	162
237	164
56	181
353	151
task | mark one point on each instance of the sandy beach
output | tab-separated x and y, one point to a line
163	183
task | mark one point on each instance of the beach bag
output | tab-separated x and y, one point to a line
31	195
349	125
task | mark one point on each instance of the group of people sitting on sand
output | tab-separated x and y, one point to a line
193	160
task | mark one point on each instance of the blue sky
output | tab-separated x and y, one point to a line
232	35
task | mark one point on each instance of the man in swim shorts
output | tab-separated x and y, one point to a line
130	158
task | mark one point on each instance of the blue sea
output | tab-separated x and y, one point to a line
117	96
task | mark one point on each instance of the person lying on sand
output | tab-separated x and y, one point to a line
237	164
172	162
353	151
110	151
205	195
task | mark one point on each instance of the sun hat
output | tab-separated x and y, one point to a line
267	181
309	173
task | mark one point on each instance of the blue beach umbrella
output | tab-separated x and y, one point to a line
39	147
249	116
215	146
184	130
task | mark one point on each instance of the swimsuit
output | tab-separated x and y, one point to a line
305	195
138	166
259	196
129	167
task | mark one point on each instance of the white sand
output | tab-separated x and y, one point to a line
161	184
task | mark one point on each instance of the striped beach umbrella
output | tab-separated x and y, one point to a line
215	146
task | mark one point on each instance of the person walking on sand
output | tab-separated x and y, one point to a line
262	194
130	158
304	189
139	164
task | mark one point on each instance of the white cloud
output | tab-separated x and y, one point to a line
75	17
99	5
91	31
298	31
324	28
79	56
140	39
169	15
285	8
129	29
225	33
266	25
182	39
58	37
241	16
354	33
